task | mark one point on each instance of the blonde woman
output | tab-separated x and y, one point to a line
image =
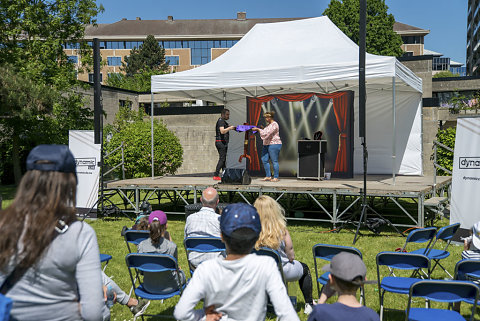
275	235
271	146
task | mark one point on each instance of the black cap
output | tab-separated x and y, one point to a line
51	158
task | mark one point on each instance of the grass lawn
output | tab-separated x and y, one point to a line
304	236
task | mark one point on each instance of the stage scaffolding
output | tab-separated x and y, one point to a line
323	201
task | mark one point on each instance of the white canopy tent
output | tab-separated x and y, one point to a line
312	55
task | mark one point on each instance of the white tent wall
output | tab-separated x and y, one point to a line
380	133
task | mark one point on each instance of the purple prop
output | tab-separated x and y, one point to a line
244	128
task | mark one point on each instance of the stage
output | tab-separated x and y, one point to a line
328	200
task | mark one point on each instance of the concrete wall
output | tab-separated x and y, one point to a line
111	99
423	69
197	136
432	117
453	84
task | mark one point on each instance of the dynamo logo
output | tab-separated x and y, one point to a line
469	162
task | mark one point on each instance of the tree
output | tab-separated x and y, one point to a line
130	129
445	74
38	104
140	82
381	39
150	56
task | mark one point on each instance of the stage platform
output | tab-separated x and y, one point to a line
334	198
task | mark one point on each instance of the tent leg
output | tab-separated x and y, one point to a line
151	130
394	121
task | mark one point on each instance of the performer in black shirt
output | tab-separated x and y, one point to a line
221	141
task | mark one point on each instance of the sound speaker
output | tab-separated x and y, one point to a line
236	176
311	159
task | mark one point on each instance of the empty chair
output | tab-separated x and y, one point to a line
398	261
445	234
326	252
135	237
202	244
448	291
161	276
421	235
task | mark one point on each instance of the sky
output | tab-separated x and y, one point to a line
446	19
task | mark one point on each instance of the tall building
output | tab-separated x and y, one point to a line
473	37
191	43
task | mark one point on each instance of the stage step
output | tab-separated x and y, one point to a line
435	201
437	206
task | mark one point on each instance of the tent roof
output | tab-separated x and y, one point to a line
309	55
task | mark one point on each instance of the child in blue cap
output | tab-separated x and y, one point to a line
237	287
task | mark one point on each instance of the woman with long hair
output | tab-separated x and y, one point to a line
271	146
275	235
49	260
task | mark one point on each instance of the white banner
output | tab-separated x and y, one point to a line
465	201
87	156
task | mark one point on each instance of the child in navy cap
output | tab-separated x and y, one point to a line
237	287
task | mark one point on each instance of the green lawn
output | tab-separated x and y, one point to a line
304	236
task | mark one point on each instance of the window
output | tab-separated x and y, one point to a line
125	103
112	74
172	60
440	63
410	40
73	59
90	77
407	54
114	61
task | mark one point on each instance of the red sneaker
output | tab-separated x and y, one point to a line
217	178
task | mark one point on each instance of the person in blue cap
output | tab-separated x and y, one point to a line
237	287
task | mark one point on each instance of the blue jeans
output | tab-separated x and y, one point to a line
270	152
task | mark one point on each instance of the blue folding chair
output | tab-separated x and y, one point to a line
202	244
441	291
135	237
421	235
445	234
468	270
326	252
105	258
276	256
161	276
398	261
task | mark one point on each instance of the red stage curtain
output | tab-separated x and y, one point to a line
340	108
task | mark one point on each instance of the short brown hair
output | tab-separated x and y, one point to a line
270	114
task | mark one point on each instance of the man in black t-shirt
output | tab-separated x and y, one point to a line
221	141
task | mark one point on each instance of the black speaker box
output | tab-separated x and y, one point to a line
236	176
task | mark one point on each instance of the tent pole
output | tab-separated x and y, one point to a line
151	130
394	120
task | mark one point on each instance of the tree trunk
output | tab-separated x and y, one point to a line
17	171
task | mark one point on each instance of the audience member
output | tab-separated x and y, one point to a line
158	243
471	244
205	222
49	261
347	274
275	235
237	287
142	224
137	307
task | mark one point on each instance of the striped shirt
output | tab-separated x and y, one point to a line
270	134
203	223
472	252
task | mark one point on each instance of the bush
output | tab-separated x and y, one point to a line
445	157
136	137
